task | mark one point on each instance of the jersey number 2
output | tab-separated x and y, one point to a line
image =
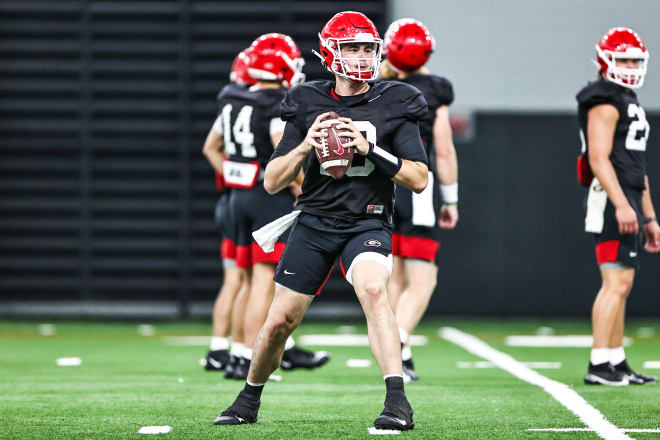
368	130
634	139
240	131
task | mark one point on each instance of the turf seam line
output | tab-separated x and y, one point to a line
565	395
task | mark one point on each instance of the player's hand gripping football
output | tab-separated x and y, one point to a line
652	233
448	216
357	140
316	131
627	219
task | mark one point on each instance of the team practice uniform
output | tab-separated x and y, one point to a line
629	160
248	118
351	217
416	231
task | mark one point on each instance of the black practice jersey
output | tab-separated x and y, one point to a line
246	121
438	92
632	130
387	115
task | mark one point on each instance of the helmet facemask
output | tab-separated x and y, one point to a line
340	65
630	78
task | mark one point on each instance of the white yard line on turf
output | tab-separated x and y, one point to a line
586	430
589	415
652	364
330	340
155	430
554	341
487	364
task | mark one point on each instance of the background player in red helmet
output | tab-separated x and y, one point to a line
419	217
230	296
349	218
614	130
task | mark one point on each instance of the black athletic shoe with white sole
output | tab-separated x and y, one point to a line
231	365
241	369
634	377
397	415
244	410
217	360
605	374
296	357
409	373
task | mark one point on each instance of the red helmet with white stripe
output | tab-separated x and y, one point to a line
276	57
239	69
408	44
350	27
622	43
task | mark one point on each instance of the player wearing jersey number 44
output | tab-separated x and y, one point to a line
613	129
350	217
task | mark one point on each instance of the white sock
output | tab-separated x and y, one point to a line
237	349
290	343
219	343
617	355
247	353
406	353
403	335
600	355
392	375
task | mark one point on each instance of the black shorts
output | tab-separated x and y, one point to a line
612	247
253	208
412	240
315	243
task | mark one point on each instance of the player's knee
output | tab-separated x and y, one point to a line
281	324
374	291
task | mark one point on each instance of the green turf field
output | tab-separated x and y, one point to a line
127	381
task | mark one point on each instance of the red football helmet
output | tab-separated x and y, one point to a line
344	28
408	44
239	69
276	57
620	43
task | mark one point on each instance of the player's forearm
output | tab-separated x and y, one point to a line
213	150
647	203
445	152
412	175
604	172
281	171
447	165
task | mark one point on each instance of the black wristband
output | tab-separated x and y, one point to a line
387	163
648	220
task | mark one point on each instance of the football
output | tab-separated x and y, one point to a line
333	157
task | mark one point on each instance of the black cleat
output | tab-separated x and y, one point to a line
397	415
409	373
605	374
244	410
296	357
217	360
231	366
634	377
241	369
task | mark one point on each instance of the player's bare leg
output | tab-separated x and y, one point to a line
259	300
284	315
237	323
397	282
218	356
605	316
370	283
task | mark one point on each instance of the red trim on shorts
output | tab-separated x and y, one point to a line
259	256
243	257
607	251
395	244
228	249
341	266
417	247
219	182
318	292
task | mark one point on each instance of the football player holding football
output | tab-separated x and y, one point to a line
418	218
614	130
251	126
350	217
235	281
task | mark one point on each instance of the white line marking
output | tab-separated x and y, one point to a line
645	332
375	431
188	340
47	329
652	364
555	341
487	364
545	331
146	330
330	340
585	430
589	415
68	361
155	430
346	329
358	363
